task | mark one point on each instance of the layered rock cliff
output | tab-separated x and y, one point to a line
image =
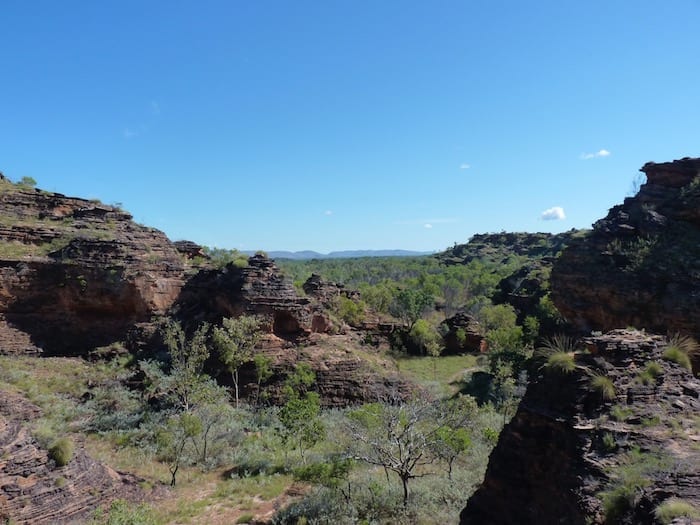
641	264
577	454
77	274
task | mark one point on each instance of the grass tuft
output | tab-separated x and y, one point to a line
603	386
673	508
561	363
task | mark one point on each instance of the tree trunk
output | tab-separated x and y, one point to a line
234	376
404	481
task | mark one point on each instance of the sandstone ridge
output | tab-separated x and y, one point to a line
640	266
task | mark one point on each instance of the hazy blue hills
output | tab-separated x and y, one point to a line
346	254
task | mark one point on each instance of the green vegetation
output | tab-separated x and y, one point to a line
61	451
620	413
680	349
122	512
678	356
235	340
603	387
652	371
220	257
561	363
628	481
673	508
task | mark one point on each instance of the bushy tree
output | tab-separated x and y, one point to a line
405	437
410	304
187	357
301	426
235	341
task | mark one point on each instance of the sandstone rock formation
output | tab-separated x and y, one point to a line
500	247
77	274
33	490
641	264
567	446
463	334
257	289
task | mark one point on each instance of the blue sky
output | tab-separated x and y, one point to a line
333	125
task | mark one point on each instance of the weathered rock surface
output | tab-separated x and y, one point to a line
463	334
501	247
257	289
33	490
566	445
347	373
77	274
641	264
326	291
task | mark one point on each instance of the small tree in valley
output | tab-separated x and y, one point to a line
235	340
301	427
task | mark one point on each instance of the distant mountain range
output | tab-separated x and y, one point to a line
347	254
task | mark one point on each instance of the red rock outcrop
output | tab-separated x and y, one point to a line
463	334
77	274
256	289
567	445
33	490
640	266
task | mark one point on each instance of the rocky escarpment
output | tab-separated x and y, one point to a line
34	490
577	454
77	274
641	264
501	247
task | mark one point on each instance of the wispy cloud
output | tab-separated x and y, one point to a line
155	107
596	155
328	212
129	133
555	213
427	225
465	166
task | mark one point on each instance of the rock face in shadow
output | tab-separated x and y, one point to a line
641	264
256	289
33	490
567	445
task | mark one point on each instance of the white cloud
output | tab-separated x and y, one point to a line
427	225
328	212
553	214
598	154
464	166
129	133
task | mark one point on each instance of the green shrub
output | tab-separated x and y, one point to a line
561	363
352	312
650	373
61	451
122	512
685	343
603	386
620	413
673	508
557	343
628	480
609	442
654	369
676	355
245	518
